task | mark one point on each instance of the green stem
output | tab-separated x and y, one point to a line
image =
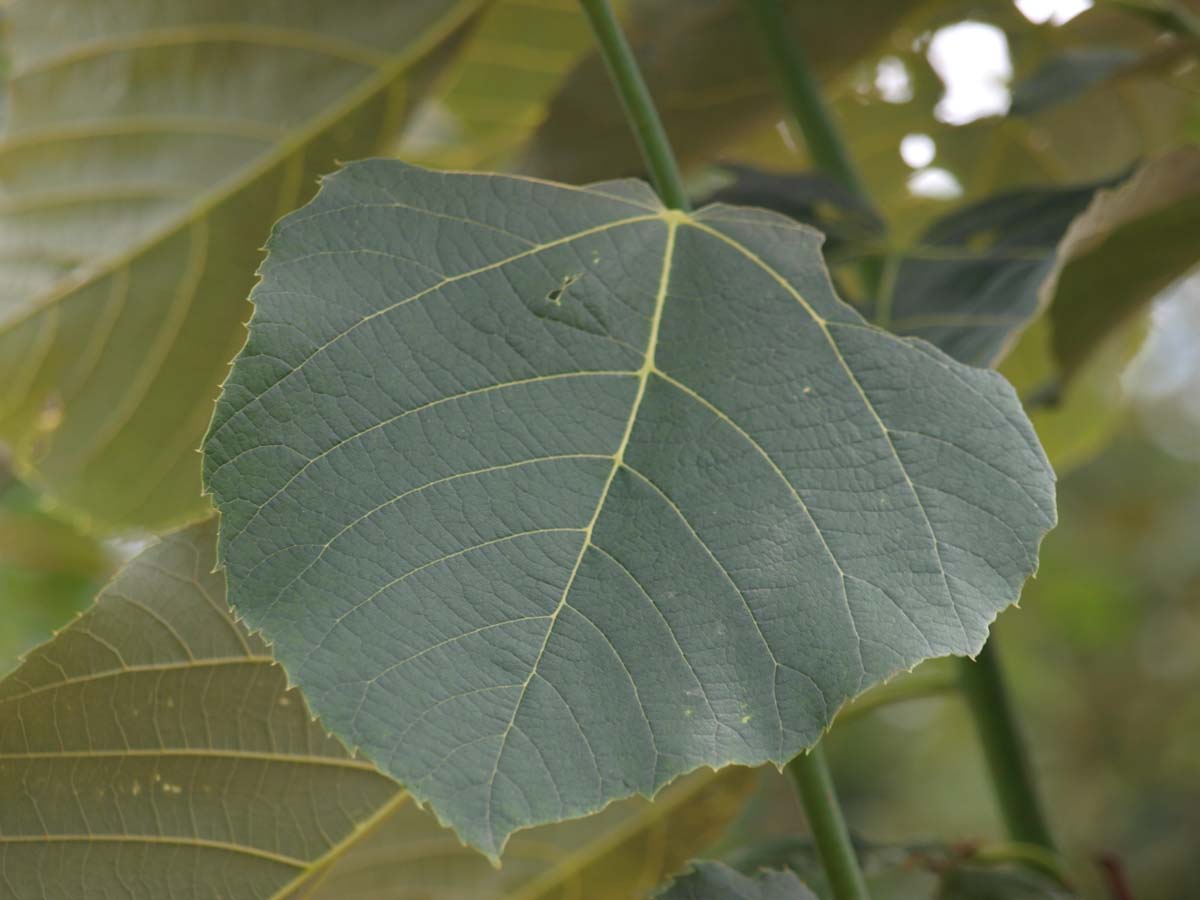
821	134
982	680
643	117
1003	748
829	831
807	103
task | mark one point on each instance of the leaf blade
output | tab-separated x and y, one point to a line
657	453
106	268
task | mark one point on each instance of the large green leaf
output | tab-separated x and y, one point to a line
711	79
547	495
977	283
515	60
148	148
152	750
715	881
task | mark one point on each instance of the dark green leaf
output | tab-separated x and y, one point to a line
973	280
969	882
716	881
1068	75
976	277
547	495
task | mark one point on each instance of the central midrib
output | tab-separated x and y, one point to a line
672	219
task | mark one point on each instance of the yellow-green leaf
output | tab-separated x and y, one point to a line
147	149
514	62
617	854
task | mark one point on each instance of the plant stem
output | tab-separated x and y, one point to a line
809	770
982	681
643	117
1003	748
821	133
825	143
832	838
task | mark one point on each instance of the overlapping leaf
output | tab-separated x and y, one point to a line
147	150
976	278
152	750
548	495
515	61
617	854
715	881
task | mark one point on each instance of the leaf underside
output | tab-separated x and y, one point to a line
151	749
147	149
547	495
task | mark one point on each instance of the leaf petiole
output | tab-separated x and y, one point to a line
639	107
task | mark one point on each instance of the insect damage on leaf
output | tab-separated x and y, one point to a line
532	558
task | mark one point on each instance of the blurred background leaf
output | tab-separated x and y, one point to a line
1151	225
147	150
48	570
715	881
497	94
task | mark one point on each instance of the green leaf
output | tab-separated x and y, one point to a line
1068	75
514	62
967	882
978	276
711	80
152	746
978	281
617	854
547	495
152	750
1128	246
716	881
48	571
147	150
